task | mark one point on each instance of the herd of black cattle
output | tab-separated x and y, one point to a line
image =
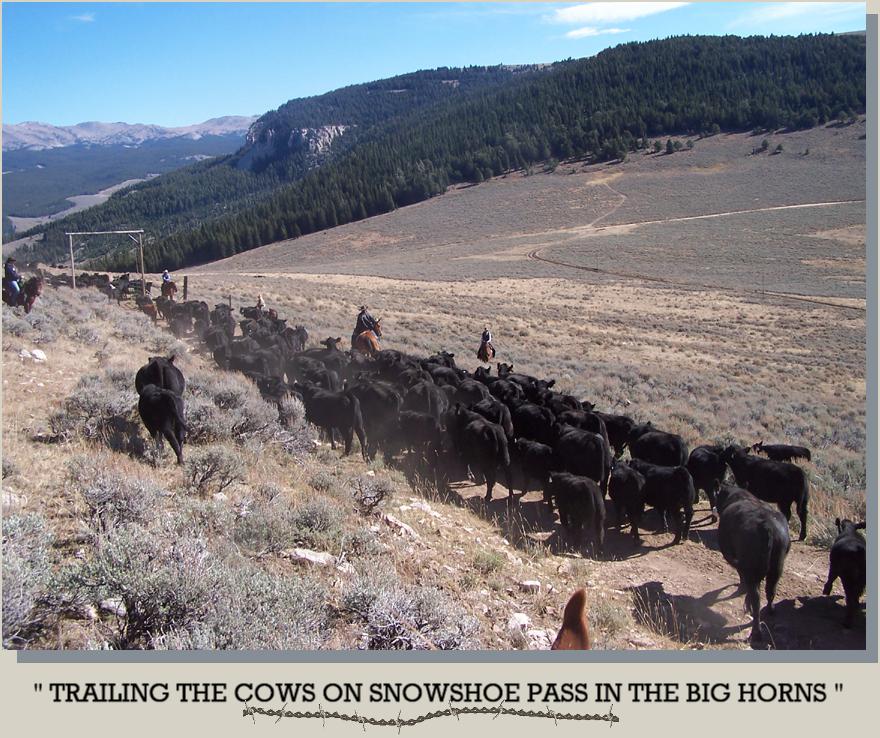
455	424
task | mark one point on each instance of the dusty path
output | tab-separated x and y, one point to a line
687	592
536	254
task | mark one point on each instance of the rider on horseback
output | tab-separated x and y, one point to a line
365	322
12	280
486	352
166	277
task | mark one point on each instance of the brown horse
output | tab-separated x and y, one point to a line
30	291
169	290
368	341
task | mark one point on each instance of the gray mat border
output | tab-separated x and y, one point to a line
869	655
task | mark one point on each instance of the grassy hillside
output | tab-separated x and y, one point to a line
110	545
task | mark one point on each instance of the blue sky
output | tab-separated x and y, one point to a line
177	64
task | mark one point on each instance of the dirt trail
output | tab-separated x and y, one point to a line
591	229
688	593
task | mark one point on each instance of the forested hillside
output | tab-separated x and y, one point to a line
407	139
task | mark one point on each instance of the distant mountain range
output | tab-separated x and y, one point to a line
44	166
359	151
39	136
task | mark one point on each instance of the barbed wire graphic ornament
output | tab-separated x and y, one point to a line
451	711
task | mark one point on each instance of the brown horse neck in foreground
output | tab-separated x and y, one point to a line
575	633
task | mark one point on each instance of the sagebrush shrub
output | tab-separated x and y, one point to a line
211	470
369	493
418	618
27	543
102	408
110	497
256	610
164	582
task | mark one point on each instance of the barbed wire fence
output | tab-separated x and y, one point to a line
400	722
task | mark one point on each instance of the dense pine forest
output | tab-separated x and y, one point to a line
406	139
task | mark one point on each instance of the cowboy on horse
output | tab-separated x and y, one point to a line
16	292
169	289
12	280
486	352
366	334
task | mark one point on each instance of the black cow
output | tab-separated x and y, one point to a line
508	392
160	371
707	468
535	461
443	375
626	488
533	422
444	358
470	392
497	412
334	410
619	428
669	490
848	562
482	445
380	407
330	355
583	453
580	503
251	313
782	452
772	481
272	389
421	433
162	412
426	397
657	447
295	338
754	540
585	420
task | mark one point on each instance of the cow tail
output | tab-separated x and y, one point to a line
179	418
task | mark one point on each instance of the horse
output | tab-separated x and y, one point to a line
169	290
368	341
486	352
27	296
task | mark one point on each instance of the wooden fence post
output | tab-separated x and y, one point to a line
185	287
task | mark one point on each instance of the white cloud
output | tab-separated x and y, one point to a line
600	13
591	31
84	18
788	11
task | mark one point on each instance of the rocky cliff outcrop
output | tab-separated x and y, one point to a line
264	142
